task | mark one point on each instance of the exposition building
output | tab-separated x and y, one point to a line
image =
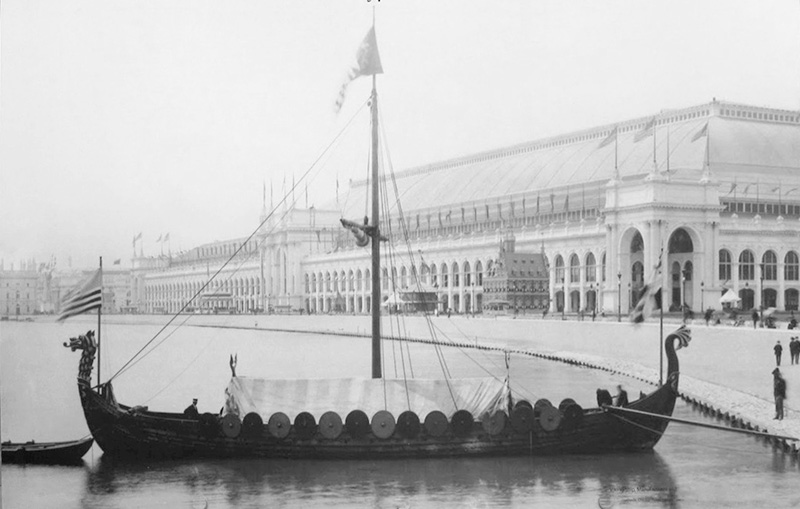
710	194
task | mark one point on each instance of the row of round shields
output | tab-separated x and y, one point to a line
524	418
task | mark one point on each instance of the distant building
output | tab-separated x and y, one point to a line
710	193
19	292
516	282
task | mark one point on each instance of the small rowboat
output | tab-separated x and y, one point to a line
56	453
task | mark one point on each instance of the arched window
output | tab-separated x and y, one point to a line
574	268
680	242
467	275
637	244
725	265
479	273
559	268
770	261
746	265
445	278
603	268
591	268
790	268
456	274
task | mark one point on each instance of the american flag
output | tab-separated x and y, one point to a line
87	296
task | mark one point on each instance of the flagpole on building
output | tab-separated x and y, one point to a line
99	314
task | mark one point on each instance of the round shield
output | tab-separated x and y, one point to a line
382	424
408	424
252	425
462	423
522	419
523	402
357	424
565	403
573	415
305	425
231	425
495	423
436	423
330	425
541	403
279	425
549	418
209	425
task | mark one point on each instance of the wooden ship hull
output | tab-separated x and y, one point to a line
123	431
56	453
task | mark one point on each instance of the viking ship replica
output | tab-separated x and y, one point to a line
377	417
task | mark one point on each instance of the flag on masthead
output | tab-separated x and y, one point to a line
368	62
88	295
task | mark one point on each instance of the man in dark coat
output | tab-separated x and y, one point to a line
603	398
794	350
778	351
622	396
191	411
779	390
755	318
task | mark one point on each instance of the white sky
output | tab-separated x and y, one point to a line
124	116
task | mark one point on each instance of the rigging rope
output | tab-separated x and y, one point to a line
236	252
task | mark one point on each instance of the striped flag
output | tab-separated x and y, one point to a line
702	132
646	131
650	297
612	137
88	295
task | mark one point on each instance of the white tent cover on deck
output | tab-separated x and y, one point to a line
343	395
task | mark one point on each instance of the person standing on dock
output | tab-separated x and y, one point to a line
778	351
755	318
794	350
779	390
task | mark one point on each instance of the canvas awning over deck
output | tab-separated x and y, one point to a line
343	395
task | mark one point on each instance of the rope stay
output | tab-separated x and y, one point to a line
136	357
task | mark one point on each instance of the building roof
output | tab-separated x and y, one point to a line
745	143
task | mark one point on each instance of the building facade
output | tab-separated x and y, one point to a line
708	194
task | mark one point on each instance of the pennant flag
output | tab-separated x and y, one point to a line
88	295
537	203
566	203
552	202
791	190
702	132
368	62
158	239
166	237
609	139
650	298
733	186
746	189
646	132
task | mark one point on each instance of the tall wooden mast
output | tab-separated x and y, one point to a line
376	243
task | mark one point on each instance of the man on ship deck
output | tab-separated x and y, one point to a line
191	411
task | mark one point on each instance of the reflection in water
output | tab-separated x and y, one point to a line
633	479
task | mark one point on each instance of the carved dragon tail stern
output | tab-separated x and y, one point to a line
682	335
89	346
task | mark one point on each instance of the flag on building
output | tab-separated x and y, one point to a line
650	297
88	295
645	132
159	238
368	62
612	137
166	237
701	133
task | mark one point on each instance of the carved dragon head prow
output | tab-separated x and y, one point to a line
682	335
89	347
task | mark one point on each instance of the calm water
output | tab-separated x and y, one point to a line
691	467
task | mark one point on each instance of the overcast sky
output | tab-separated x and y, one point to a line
120	117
